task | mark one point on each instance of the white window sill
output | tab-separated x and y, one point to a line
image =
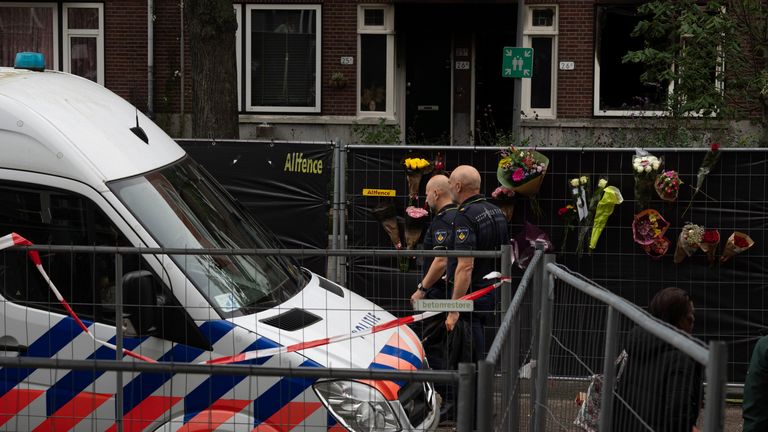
307	119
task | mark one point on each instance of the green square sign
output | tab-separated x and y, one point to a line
517	63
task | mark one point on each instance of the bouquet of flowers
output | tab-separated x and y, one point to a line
709	242
579	195
611	198
658	248
587	222
385	214
570	218
688	242
668	185
648	229
523	171
503	197
415	169
709	162
736	244
646	168
415	221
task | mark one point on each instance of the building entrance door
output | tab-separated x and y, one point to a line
427	87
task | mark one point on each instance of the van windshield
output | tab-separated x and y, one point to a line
183	207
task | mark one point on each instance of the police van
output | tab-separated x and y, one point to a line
81	166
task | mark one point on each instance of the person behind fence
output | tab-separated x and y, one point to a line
755	405
479	225
661	385
437	237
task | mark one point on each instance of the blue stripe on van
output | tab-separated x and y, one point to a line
282	392
74	382
385	367
402	354
147	383
212	389
47	345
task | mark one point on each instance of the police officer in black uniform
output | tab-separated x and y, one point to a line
478	225
437	237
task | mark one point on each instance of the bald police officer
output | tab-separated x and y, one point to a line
478	225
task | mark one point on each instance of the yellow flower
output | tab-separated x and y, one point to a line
409	163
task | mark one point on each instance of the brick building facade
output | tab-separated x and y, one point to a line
312	70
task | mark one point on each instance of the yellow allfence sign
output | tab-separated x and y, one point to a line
379	192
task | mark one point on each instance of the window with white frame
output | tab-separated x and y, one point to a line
282	55
29	27
540	92
376	53
84	40
35	27
618	88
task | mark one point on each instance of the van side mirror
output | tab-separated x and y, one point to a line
140	302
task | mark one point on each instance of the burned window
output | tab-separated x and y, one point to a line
618	85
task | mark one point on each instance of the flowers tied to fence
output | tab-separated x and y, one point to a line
523	171
504	198
648	229
611	198
416	218
646	168
586	223
384	212
688	242
668	185
415	169
709	242
736	244
709	162
570	218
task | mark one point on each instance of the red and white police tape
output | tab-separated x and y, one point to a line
268	352
14	239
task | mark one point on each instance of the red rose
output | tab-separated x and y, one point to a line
562	211
714	147
710	236
740	241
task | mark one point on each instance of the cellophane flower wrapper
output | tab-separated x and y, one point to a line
648	225
709	163
415	220
586	224
645	168
667	185
737	243
611	198
688	242
523	171
385	214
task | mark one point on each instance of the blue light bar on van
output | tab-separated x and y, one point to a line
30	60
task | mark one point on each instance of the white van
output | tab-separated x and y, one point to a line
75	169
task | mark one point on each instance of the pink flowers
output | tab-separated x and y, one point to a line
502	192
416	212
518	175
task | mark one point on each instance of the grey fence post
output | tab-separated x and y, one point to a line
333	260
484	395
609	370
539	282
341	266
466	397
119	340
511	351
542	364
716	377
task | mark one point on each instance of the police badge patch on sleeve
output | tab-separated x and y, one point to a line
462	234
441	236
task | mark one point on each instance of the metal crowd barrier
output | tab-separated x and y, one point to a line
577	332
